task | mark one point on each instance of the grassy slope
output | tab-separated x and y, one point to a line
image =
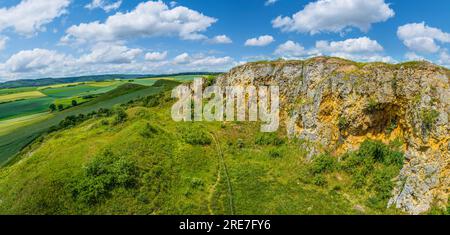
174	174
11	143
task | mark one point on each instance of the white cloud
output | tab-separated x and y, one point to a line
182	59
30	16
104	53
413	56
444	58
32	60
105	5
290	49
156	56
353	45
149	19
221	39
3	42
421	38
173	4
335	16
260	41
359	49
270	2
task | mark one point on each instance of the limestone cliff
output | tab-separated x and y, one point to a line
335	104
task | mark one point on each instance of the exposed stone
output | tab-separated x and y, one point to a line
376	101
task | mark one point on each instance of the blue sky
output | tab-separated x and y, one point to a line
40	38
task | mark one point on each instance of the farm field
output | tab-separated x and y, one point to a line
20	96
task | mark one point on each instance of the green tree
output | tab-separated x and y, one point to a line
74	103
52	107
60	107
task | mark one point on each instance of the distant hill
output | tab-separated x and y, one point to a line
52	81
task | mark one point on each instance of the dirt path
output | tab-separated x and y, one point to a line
222	167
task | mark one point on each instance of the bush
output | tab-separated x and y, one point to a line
268	139
342	123
102	175
322	164
149	131
319	180
196	136
429	118
121	116
373	106
275	153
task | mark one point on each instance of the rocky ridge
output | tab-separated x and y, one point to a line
335	104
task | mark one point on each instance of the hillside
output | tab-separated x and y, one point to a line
355	139
14	141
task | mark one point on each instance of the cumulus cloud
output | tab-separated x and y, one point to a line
260	41
291	49
444	59
335	16
30	16
270	2
413	56
360	49
353	45
104	53
182	59
421	38
221	39
31	60
148	19
156	56
105	5
3	42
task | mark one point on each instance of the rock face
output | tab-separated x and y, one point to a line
335	104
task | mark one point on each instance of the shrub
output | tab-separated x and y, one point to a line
342	123
240	143
149	131
275	153
319	180
373	106
323	163
102	175
74	103
429	118
268	139
196	136
121	116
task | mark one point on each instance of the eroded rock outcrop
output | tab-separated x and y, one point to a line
335	104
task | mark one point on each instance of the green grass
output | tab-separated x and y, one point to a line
149	164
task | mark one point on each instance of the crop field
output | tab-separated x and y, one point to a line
20	96
16	90
69	91
24	107
8	126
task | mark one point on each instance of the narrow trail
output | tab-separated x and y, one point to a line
222	166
